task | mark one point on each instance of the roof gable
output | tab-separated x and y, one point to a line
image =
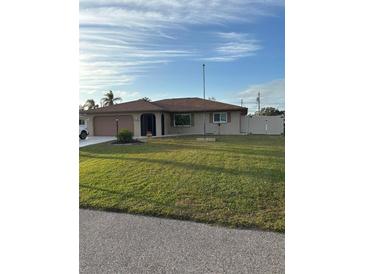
132	106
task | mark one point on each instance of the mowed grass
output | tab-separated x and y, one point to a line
237	181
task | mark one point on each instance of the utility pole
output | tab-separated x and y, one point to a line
241	102
204	81
204	95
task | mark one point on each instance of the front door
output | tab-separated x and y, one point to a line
162	124
148	124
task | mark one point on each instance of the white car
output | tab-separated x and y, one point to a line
83	132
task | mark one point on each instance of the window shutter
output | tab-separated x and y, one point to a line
192	119
171	119
211	117
228	117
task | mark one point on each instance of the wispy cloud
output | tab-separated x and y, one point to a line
121	40
234	46
272	94
128	95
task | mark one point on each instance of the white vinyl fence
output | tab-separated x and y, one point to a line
273	125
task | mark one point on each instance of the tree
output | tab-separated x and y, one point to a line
146	99
270	111
109	99
90	104
212	98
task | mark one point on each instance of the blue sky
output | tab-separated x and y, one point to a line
156	49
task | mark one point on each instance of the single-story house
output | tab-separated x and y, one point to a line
166	117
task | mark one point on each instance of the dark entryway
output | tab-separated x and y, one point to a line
162	124
148	124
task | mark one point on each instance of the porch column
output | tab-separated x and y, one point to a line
158	124
137	124
90	124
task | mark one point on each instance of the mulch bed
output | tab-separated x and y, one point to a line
133	142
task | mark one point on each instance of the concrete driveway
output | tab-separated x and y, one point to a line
92	140
123	243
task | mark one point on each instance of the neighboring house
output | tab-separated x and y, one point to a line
166	117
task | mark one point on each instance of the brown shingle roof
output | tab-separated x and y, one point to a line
194	104
132	106
170	105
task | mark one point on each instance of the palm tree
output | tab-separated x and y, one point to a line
109	99
147	99
90	104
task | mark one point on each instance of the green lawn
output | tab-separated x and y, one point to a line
237	181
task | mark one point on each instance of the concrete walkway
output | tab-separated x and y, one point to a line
123	243
92	140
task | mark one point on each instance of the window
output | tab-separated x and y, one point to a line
182	119
81	122
220	117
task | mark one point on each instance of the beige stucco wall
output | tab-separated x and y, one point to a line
198	128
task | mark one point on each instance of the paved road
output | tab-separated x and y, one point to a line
123	243
92	140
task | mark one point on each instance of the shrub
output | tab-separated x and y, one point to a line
125	136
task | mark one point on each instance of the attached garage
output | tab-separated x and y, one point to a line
106	125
